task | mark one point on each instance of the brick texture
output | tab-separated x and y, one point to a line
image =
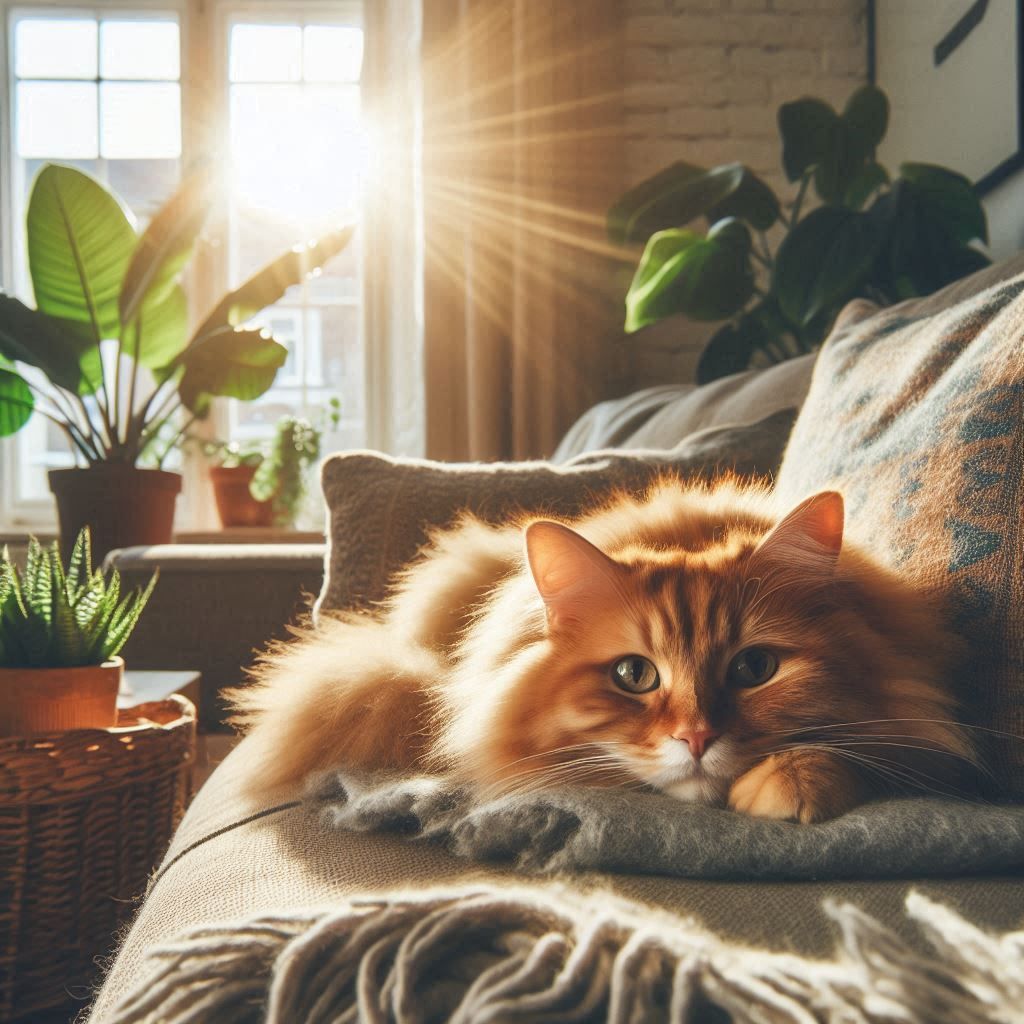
704	81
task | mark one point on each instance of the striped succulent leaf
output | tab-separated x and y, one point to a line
49	618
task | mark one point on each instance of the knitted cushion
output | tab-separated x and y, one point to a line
381	509
924	408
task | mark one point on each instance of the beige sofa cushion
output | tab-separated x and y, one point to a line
234	856
924	404
662	417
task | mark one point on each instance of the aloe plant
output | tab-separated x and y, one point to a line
100	284
50	618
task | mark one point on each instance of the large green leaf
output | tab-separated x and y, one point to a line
923	251
808	128
28	336
683	192
270	283
866	118
232	362
164	327
868	180
16	400
823	261
79	243
835	146
859	129
752	201
950	199
760	332
165	246
707	278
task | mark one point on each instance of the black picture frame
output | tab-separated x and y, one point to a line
1015	160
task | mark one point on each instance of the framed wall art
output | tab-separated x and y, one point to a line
952	71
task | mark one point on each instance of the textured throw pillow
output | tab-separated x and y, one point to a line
381	508
917	414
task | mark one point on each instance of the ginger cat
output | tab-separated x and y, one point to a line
690	640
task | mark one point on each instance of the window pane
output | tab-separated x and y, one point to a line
332	53
143	184
57	119
140	120
266	53
48	48
339	280
297	152
139	49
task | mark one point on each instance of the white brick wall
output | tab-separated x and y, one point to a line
704	81
705	77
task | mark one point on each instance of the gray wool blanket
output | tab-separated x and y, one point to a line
647	833
501	955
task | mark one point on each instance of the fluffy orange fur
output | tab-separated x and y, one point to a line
501	655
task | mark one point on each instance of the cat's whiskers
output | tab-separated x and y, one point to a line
887	768
881	721
929	744
589	745
558	773
552	778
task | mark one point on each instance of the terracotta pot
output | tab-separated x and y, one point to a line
34	700
235	504
122	505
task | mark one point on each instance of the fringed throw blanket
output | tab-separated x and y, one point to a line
511	955
646	833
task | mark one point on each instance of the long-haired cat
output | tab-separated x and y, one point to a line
690	640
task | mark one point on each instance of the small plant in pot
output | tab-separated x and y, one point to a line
265	484
60	635
234	467
107	356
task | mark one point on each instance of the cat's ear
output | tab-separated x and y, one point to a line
572	576
808	540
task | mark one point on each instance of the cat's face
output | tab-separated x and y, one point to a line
680	670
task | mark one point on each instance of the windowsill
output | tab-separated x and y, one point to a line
15	535
249	535
18	537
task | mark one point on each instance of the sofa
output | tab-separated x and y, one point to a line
237	855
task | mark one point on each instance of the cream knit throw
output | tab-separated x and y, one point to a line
502	955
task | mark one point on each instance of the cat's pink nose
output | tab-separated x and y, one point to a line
698	740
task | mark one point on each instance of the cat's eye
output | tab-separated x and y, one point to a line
752	667
635	674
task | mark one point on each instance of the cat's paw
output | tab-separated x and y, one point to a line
799	785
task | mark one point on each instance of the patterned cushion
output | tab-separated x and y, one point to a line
917	414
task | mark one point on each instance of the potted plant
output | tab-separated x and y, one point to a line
871	234
109	305
231	477
60	635
264	484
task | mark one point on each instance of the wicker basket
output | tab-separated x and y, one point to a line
84	818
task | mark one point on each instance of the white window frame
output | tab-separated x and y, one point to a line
391	310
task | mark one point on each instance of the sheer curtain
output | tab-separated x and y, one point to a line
520	146
393	227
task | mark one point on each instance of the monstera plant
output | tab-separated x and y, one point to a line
107	355
778	273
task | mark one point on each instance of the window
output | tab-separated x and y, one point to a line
100	92
106	88
297	159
